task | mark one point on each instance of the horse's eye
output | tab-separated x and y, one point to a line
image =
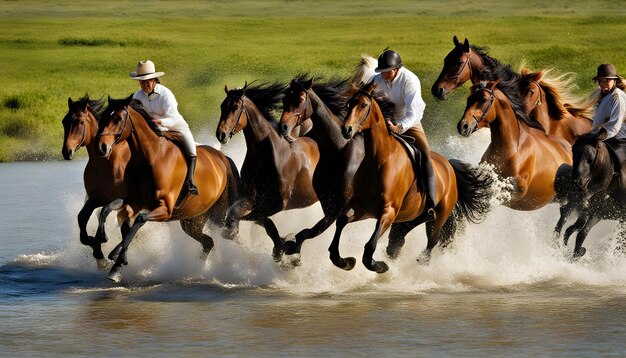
363	105
532	91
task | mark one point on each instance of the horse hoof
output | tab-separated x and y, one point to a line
115	275
277	254
346	264
580	252
290	247
102	264
380	267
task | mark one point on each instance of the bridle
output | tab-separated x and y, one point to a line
301	117
241	110
469	58
538	102
491	100
369	108
118	135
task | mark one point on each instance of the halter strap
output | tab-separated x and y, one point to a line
539	101
369	108
493	97
469	57
241	110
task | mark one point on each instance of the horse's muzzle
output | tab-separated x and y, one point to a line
438	92
68	154
222	137
104	150
464	128
347	132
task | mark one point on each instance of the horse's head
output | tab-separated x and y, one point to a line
233	116
592	169
77	125
530	90
477	112
456	70
359	112
297	106
114	125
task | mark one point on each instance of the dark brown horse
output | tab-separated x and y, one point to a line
323	103
464	63
520	149
103	177
155	175
386	188
548	99
276	174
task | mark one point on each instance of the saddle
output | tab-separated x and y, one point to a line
617	151
414	154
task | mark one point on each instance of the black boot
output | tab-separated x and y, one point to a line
191	168
431	191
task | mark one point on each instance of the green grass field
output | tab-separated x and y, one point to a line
52	50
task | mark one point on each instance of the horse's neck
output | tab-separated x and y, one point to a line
505	130
476	67
380	141
258	128
91	132
143	142
326	125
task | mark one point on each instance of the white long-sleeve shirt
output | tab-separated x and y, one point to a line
610	114
161	104
406	94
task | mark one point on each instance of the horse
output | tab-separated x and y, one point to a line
155	175
548	99
519	149
387	189
464	63
340	158
276	174
600	190
103	177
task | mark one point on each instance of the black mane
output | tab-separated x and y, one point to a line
510	90
266	96
330	92
97	105
117	104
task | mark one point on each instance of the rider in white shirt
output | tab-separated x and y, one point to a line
402	87
611	108
161	105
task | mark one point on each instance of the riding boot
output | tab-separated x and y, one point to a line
431	191
191	168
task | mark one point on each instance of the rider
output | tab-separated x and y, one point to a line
611	107
402	87
161	105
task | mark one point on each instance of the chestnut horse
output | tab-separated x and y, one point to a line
155	175
103	177
340	158
276	174
519	148
386	188
548	99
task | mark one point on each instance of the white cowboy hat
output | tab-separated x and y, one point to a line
145	71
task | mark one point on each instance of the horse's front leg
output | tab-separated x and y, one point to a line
101	236
293	247
565	211
83	218
349	262
160	213
579	250
239	209
382	224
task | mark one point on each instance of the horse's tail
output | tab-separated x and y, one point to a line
365	70
474	187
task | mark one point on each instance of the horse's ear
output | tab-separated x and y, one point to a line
456	41
69	102
128	100
226	89
370	87
308	84
466	46
293	83
108	99
245	86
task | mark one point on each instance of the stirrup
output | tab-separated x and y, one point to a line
431	215
192	188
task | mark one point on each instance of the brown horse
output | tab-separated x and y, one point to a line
155	175
519	148
386	188
103	177
549	100
276	174
340	158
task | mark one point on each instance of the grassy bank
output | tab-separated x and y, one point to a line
51	50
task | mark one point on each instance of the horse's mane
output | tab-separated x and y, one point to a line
558	93
330	91
136	105
265	96
493	69
97	105
510	90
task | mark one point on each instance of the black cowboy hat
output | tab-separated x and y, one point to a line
606	70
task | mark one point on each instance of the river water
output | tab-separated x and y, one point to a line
503	288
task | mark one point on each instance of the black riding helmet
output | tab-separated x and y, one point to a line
388	60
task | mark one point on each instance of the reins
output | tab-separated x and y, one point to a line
118	135
241	110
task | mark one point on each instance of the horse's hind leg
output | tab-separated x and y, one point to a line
565	212
579	250
397	233
193	227
580	222
349	262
